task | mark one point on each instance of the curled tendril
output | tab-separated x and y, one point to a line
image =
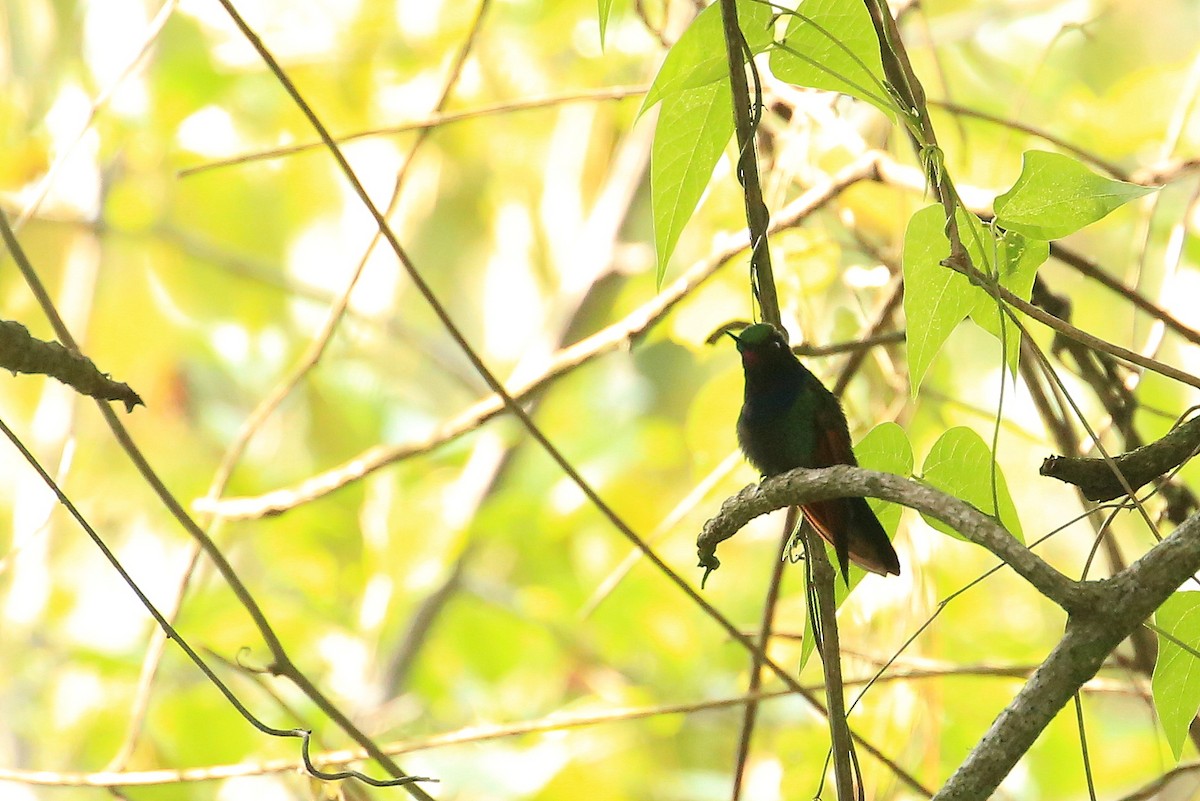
305	736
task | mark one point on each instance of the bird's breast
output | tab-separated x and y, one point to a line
776	436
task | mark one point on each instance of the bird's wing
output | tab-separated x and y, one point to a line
857	537
833	436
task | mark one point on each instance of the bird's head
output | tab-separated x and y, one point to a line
762	344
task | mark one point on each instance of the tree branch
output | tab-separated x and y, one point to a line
1120	605
802	486
1095	477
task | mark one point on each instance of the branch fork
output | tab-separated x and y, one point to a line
1101	613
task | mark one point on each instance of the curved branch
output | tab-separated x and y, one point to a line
803	486
1102	613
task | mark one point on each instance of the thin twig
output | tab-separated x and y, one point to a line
619	335
750	711
757	217
1083	746
822	577
435	120
469	735
1157	788
1071	332
1115	170
304	734
1086	267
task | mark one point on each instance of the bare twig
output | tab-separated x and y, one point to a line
824	614
472	734
485	732
1159	787
21	352
1115	170
750	711
1095	477
303	734
435	120
1071	332
1086	267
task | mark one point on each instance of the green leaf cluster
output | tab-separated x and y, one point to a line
1054	196
696	120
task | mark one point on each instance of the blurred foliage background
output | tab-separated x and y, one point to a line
466	582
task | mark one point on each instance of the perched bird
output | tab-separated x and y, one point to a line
788	420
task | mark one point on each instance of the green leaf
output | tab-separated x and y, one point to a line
696	119
936	299
603	9
692	131
1019	258
698	57
1176	682
1055	195
831	44
885	448
960	464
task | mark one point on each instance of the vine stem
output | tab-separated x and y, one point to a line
822	579
763	284
757	216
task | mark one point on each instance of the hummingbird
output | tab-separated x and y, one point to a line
788	420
